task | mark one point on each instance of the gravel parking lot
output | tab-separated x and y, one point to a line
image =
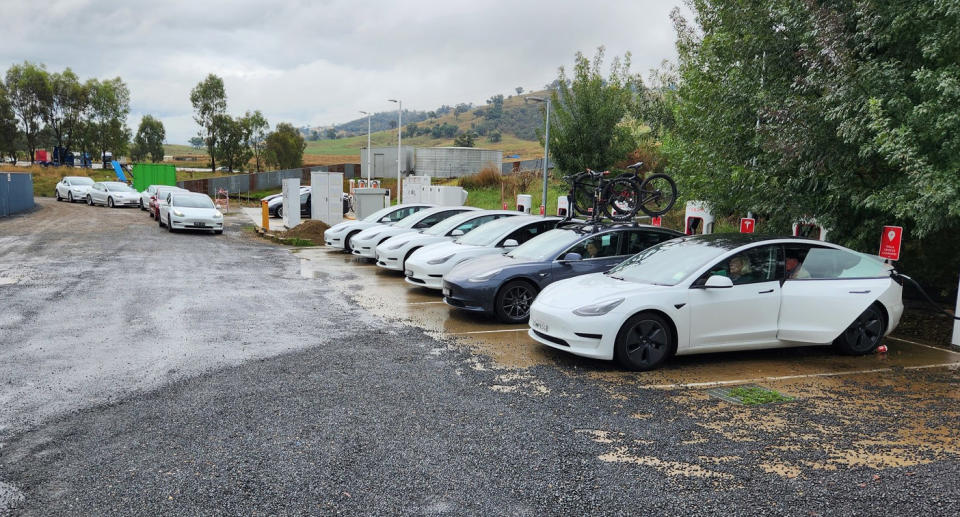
143	372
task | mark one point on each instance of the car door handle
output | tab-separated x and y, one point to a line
765	292
860	292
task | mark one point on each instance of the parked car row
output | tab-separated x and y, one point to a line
634	293
172	207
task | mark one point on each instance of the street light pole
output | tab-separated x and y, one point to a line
399	132
546	150
369	170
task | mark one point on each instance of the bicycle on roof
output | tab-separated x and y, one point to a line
620	198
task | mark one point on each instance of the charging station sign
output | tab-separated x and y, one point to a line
656	221
747	224
890	242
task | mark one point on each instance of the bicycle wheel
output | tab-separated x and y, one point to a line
581	198
658	193
620	198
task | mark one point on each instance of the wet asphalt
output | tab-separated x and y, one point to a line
145	373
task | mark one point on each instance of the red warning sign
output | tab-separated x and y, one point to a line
656	221
747	224
890	242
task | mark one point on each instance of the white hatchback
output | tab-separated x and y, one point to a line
112	194
340	235
73	188
365	243
190	211
426	266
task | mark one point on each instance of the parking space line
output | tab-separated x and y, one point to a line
921	344
484	332
713	384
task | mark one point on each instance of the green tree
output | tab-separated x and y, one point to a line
519	90
585	129
496	108
257	128
107	115
28	88
495	136
8	126
209	101
330	133
197	142
232	137
465	139
284	148
68	101
149	140
846	111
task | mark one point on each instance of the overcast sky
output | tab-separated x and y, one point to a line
319	62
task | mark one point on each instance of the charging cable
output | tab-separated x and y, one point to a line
900	276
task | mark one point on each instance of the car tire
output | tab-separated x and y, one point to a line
280	212
59	198
141	205
110	202
346	242
644	342
89	200
160	222
512	304
864	334
70	197
169	225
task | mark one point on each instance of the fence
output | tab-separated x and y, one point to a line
16	192
524	165
253	182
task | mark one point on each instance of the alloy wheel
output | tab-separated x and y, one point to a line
647	342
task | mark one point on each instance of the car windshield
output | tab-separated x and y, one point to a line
376	216
412	219
193	201
79	180
667	263
487	234
450	223
543	246
118	187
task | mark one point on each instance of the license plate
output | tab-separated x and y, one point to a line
200	225
539	325
446	291
408	273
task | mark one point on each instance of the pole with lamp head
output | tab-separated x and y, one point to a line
369	169
546	150
399	132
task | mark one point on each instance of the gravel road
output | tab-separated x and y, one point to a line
143	372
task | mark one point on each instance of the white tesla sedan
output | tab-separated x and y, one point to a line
340	235
719	292
73	188
190	211
112	194
365	243
393	253
426	266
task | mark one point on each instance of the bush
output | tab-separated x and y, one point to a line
488	177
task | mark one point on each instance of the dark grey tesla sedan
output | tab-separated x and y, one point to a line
505	285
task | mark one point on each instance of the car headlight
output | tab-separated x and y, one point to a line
598	309
217	215
485	276
440	260
178	213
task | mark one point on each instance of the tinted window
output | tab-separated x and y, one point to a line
473	223
303	197
524	234
431	220
637	241
545	245
747	267
597	246
830	263
403	212
193	202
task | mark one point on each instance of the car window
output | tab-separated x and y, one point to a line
637	241
433	219
524	234
303	197
403	212
597	246
751	266
823	263
473	223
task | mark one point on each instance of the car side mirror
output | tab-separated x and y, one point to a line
456	233
510	243
572	257
718	282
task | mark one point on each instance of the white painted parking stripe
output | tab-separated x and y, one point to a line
713	384
921	344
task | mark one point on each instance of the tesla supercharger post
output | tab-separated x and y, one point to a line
810	228
698	218
291	202
523	203
563	206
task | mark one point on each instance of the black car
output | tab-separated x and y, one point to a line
505	285
275	204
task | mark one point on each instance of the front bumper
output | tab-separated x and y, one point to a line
419	277
367	249
561	329
479	299
186	223
389	261
333	239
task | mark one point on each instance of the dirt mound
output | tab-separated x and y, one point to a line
310	230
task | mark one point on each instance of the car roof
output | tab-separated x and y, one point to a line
730	241
521	220
587	227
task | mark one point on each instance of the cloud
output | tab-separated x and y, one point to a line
319	62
